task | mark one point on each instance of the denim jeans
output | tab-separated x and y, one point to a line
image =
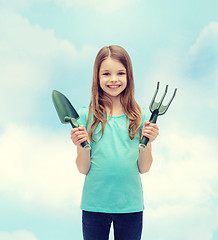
127	226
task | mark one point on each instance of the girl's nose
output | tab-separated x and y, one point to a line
113	78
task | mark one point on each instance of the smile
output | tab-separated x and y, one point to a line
113	86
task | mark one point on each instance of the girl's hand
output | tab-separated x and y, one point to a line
79	135
150	130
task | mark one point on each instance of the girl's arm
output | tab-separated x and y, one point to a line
83	162
151	131
145	159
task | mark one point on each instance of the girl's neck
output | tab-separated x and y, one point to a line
117	108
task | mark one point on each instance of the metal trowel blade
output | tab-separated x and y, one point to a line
63	107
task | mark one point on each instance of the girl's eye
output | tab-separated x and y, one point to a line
121	73
106	74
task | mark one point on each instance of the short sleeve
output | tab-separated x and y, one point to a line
83	115
145	115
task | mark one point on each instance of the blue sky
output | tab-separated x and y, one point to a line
48	45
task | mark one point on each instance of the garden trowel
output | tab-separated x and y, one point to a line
67	113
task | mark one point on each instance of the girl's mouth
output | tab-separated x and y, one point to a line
113	86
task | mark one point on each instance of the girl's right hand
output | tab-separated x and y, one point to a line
79	135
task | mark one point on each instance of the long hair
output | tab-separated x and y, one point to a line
99	101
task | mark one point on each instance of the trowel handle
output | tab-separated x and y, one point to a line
75	124
144	141
86	145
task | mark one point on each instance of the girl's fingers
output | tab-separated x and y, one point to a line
153	133
79	135
83	140
150	131
76	132
152	128
147	123
79	141
150	137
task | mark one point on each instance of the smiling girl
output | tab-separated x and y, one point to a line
113	124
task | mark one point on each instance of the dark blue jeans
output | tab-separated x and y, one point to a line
127	226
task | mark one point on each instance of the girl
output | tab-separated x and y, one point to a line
113	124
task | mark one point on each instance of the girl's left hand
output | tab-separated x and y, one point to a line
150	130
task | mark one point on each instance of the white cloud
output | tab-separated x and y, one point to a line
180	189
18	235
185	166
208	37
170	64
38	166
202	58
179	222
29	58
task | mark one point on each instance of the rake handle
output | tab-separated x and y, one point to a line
144	141
84	144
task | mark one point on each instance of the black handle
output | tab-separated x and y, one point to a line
144	141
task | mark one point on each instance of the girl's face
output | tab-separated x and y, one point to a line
113	77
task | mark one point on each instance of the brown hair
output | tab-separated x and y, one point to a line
99	100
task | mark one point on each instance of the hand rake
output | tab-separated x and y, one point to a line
156	109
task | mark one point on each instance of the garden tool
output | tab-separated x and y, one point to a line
67	113
156	109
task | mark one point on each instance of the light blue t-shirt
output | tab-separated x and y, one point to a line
113	183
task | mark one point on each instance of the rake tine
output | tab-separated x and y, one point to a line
156	110
159	104
155	94
163	108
